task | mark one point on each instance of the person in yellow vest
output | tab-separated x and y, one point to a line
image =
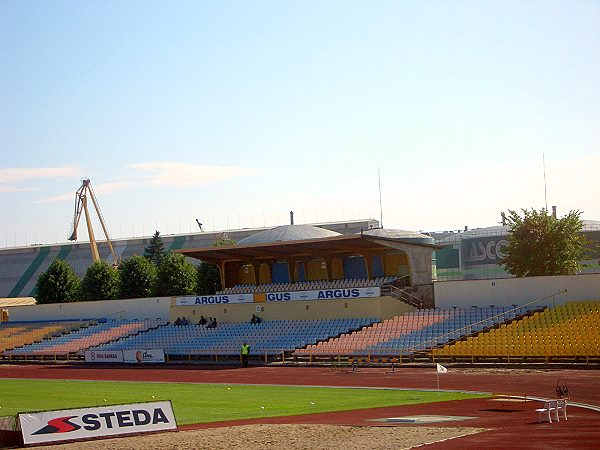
245	352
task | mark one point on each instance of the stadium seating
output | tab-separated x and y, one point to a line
415	331
16	334
569	330
82	339
268	337
307	285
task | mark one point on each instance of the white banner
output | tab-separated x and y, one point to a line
324	294
90	423
156	355
223	299
100	356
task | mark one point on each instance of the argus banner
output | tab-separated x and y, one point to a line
223	299
324	294
90	423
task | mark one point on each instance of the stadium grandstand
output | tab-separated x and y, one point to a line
326	297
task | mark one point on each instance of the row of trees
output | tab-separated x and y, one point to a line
157	273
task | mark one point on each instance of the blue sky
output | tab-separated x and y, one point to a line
238	112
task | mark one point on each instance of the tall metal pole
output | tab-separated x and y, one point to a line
380	204
545	193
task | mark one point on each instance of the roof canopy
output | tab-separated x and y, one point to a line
403	235
342	245
17	301
288	233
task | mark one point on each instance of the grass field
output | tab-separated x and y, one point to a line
199	403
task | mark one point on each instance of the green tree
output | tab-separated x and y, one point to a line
176	276
541	244
101	282
155	251
138	277
58	284
209	279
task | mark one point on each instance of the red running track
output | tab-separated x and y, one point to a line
510	424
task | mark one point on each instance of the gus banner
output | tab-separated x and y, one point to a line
90	423
324	294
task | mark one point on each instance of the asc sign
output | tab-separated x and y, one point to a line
324	294
90	423
484	251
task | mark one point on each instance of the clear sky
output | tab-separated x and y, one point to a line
236	112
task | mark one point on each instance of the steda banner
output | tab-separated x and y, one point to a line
90	423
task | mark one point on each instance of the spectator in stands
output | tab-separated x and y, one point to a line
184	321
177	322
212	322
255	319
245	351
202	321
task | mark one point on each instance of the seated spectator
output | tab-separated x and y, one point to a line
212	323
255	319
202	321
184	321
177	322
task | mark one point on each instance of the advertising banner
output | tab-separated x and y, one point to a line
90	423
484	250
324	294
156	355
100	356
222	299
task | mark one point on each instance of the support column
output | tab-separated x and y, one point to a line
291	270
221	267
256	268
328	267
369	265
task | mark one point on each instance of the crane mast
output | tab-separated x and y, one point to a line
81	205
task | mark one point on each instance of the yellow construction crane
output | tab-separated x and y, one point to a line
81	197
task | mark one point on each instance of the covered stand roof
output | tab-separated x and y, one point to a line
326	247
17	301
401	235
289	233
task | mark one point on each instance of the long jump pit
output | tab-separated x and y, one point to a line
502	421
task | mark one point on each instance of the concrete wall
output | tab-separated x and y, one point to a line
509	291
141	308
383	307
